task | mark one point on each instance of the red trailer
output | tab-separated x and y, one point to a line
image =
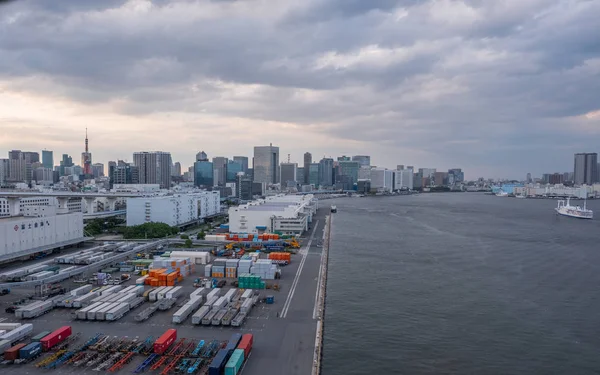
13	353
246	344
162	344
55	337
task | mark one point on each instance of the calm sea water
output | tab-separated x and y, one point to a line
462	284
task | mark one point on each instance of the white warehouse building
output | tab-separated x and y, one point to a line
289	214
174	210
21	236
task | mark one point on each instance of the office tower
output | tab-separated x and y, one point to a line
528	179
326	172
243	160
457	174
204	174
364	160
47	159
288	174
307	163
586	168
43	175
86	158
233	169
176	169
400	167
220	170
313	174
66	162
154	168
122	173
266	164
31	157
4	167
344	158
300	175
348	174
201	156
98	170
243	187
412	168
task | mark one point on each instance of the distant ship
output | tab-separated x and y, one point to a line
520	196
565	209
502	193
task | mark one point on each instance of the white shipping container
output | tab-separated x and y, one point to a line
153	294
198	292
211	301
81	290
163	293
101	313
81	300
2	332
82	313
230	294
9	326
247	305
117	312
208	270
247	294
219	304
18	333
174	293
213	293
197	317
141	280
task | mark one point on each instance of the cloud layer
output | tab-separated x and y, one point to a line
499	88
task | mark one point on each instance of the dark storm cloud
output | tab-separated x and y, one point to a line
459	77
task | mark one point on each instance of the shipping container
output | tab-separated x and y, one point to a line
163	293
199	292
230	294
12	353
233	342
30	351
82	313
55	337
207	320
239	319
182	314
218	363
174	293
215	292
247	294
247	305
9	326
101	312
199	315
235	362
117	312
216	320
221	302
5	344
246	344
162	344
152	296
81	290
40	336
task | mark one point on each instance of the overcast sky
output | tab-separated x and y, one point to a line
497	87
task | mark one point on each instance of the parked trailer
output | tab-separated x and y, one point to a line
239	319
182	314
111	290
221	303
81	290
137	301
230	294
55	337
12	353
218	363
91	314
216	320
40	336
211	301
174	293
30	351
117	312
84	300
9	326
207	320
215	292
235	362
246	344
231	313
199	292
153	295
5	344
138	290
33	311
163	293
247	305
197	317
82	313
101	313
18	333
247	294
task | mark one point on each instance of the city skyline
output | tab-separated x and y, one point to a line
480	85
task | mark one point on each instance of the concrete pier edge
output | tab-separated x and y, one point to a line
322	290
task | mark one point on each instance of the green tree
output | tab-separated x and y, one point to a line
201	235
188	243
185	237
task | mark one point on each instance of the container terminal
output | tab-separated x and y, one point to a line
184	315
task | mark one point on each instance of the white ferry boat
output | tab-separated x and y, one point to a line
502	193
521	196
565	209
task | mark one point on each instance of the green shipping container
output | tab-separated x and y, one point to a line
235	362
40	336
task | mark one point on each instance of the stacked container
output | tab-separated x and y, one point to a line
281	256
208	270
244	265
249	281
235	362
163	277
231	266
218	268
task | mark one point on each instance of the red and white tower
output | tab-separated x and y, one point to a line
86	158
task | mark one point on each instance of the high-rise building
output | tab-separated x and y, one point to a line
528	179
344	158
288	174
457	176
66	162
154	168
300	175
243	161
586	168
4	168
122	173
86	158
176	169
348	173
220	170
403	179
556	178
201	156
313	174
266	164
307	163
98	170
43	175
326	172
400	167
204	174
243	187
364	160
31	157
233	169
47	159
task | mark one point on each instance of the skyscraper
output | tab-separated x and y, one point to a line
586	168
86	158
364	160
233	168
66	162
220	170
528	180
201	156
203	174
47	159
98	170
307	163
313	174
326	172
154	168
348	173
243	160
176	169
266	164
288	173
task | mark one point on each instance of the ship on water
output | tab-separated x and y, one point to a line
564	208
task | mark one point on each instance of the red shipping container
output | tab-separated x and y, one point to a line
13	353
55	337
162	344
246	344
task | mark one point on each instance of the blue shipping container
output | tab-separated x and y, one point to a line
233	342
218	363
30	351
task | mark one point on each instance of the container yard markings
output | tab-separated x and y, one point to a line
288	300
